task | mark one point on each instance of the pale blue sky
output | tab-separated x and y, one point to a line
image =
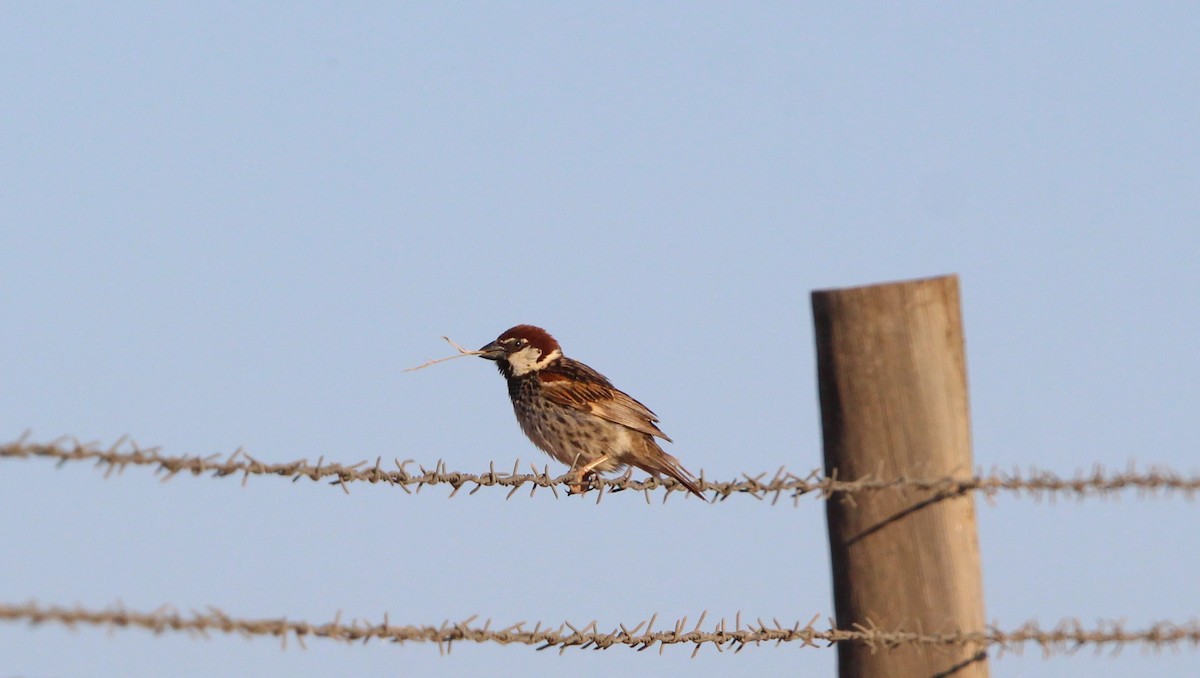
229	226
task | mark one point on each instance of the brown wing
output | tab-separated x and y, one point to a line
571	383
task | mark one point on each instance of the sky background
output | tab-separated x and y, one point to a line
227	225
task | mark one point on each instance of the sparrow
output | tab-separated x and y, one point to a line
575	414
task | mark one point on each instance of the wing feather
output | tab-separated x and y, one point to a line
572	384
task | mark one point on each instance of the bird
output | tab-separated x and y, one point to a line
575	414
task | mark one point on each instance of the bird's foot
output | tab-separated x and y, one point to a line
582	481
585	474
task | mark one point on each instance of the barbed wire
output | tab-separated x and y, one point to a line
1037	483
1067	637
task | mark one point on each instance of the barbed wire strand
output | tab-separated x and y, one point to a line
1067	637
1039	484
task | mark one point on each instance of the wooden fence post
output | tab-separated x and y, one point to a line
893	388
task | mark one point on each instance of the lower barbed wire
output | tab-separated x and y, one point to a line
1067	637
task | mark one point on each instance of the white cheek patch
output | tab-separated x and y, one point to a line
530	359
524	361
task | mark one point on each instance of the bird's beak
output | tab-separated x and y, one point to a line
492	351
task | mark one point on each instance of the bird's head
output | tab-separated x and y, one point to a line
521	350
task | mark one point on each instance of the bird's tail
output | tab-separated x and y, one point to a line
656	461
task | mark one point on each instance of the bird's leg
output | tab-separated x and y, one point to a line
583	472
